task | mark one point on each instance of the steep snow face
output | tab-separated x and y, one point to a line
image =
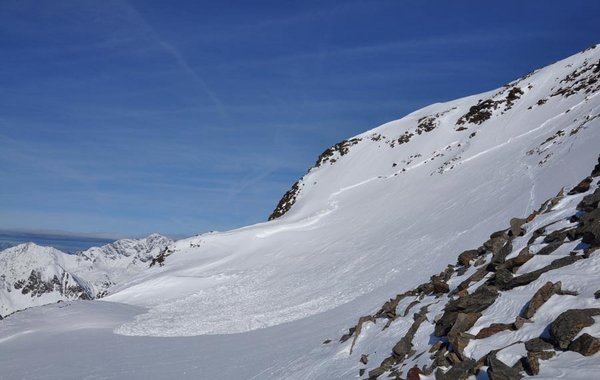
32	275
380	207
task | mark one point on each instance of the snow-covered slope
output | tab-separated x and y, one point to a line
376	205
31	275
378	215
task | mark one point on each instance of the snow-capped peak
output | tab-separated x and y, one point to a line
34	275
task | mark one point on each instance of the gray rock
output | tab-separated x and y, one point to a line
590	229
492	329
556	236
548	249
403	348
586	345
567	325
464	321
540	297
537	344
496	242
466	257
596	170
497	370
476	302
527	278
500	256
460	371
590	202
502	278
582	186
515	226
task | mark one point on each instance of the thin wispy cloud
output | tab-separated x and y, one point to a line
138	19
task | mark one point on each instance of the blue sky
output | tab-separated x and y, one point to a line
131	117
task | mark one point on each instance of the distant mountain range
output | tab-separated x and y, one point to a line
33	275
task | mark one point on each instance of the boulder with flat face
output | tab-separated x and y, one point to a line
540	297
567	325
590	202
515	226
590	228
497	370
586	345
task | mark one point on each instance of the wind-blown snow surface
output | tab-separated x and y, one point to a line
377	216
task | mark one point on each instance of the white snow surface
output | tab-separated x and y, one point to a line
257	302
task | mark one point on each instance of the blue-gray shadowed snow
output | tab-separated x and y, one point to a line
378	215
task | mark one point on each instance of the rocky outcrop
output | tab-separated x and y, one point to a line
484	109
286	202
497	271
36	286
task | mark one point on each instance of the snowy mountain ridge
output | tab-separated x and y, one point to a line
34	275
368	240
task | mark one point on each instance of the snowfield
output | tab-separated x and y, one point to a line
378	215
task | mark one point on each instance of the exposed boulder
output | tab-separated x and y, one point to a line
460	371
540	297
404	346
466	257
527	278
596	170
492	329
501	278
497	370
590	228
456	336
414	374
582	186
567	325
590	202
496	242
476	302
537	345
548	249
358	328
515	226
516	262
532	363
586	345
440	287
501	254
557	236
